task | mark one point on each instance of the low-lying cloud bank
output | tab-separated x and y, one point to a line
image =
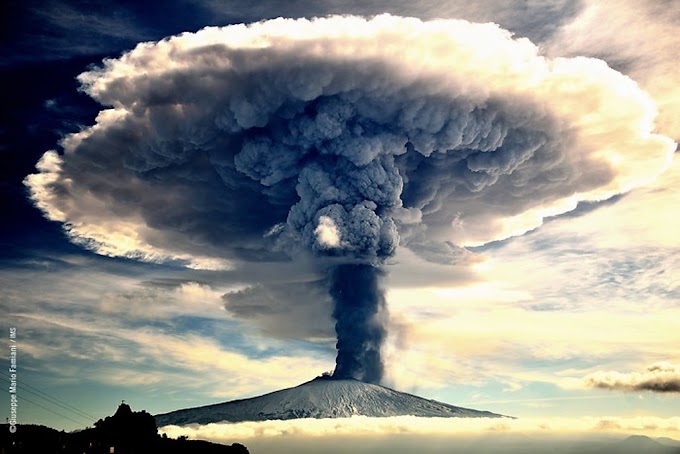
430	435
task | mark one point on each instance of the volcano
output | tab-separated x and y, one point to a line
320	398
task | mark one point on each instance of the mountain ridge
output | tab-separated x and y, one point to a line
320	398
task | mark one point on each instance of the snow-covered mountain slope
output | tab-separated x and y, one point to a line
320	398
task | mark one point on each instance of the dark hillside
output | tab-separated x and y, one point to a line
127	432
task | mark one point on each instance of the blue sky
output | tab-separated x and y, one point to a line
542	309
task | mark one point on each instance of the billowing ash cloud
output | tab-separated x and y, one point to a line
338	140
659	377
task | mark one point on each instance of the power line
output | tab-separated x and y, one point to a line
23	398
48	397
54	401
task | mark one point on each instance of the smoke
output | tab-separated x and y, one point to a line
359	313
659	378
337	141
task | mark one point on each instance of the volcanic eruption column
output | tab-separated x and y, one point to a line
341	139
358	306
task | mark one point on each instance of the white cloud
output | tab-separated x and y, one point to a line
188	298
639	36
159	356
80	322
643	218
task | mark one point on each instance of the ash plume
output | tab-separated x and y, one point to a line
336	141
658	378
359	313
